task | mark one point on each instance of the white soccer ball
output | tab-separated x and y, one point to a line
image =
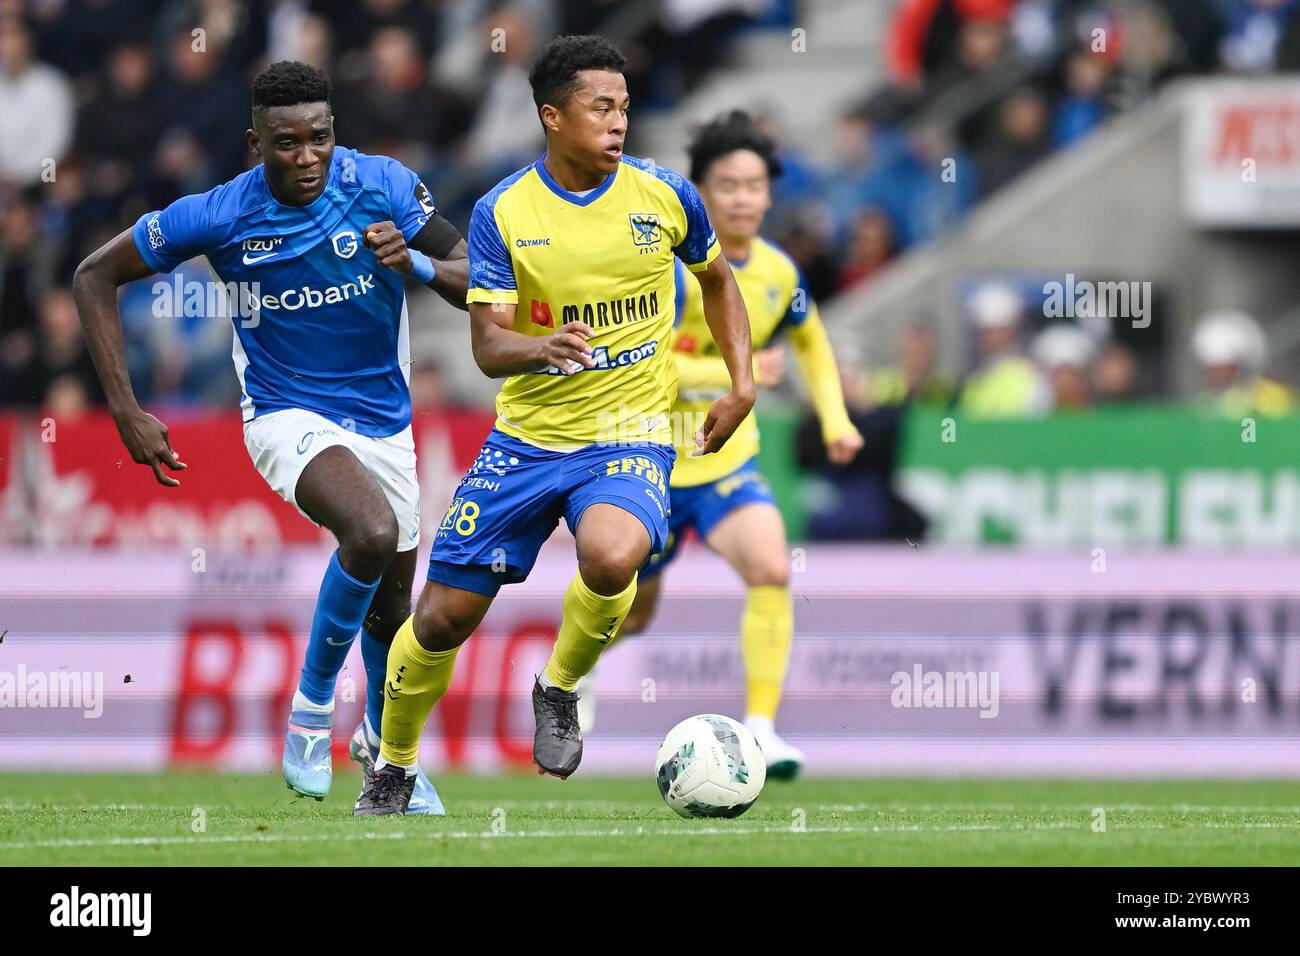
710	766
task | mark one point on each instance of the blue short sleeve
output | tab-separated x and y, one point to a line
700	246
410	201
491	270
168	237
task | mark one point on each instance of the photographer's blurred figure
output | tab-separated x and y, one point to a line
1232	352
913	376
1067	354
1004	383
1115	375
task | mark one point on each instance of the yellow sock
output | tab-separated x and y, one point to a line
590	622
618	635
421	678
766	632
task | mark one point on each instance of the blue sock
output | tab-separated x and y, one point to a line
340	609
375	656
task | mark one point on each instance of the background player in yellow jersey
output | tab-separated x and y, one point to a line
723	496
571	298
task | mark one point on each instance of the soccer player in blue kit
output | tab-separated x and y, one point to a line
314	243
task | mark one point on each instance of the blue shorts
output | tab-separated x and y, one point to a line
514	495
702	507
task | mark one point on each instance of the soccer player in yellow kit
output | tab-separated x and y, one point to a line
723	496
571	300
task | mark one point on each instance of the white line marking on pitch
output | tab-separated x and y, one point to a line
605	834
517	834
1043	808
96	806
587	805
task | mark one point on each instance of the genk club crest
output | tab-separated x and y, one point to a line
345	244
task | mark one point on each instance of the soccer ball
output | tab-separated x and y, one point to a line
710	766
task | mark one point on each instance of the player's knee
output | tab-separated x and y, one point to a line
387	614
370	546
437	628
611	572
765	571
610	567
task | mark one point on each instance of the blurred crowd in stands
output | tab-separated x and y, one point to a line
111	108
1025	367
984	90
995	86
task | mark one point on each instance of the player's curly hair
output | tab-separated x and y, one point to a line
726	134
288	83
554	71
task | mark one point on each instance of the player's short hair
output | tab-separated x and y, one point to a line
288	83
726	134
554	71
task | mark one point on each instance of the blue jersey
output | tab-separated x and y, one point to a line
319	324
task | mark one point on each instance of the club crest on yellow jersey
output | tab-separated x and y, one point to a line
645	228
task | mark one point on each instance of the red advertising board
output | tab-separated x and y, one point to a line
1241	153
81	489
11	504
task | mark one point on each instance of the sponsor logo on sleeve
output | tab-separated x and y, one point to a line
424	199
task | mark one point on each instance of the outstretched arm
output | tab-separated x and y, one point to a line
95	288
812	350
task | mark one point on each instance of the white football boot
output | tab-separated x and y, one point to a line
783	760
586	691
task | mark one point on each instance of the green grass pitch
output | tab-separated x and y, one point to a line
122	819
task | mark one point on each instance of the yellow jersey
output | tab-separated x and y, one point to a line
776	300
1260	396
605	258
1006	387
